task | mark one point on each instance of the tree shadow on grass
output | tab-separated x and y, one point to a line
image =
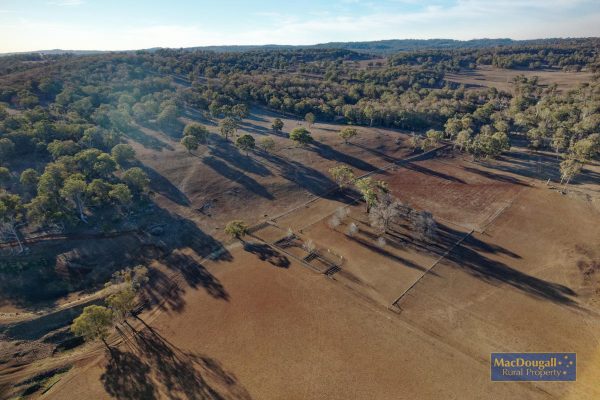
148	141
430	172
156	365
238	176
308	178
226	151
162	185
540	166
330	153
128	377
266	253
253	128
376	152
467	257
496	177
196	275
385	253
180	233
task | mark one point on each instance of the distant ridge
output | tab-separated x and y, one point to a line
377	47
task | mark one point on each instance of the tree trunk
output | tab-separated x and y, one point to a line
16	236
110	350
80	209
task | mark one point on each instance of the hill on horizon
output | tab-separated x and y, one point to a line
376	47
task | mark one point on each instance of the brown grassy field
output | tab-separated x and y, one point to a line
286	331
488	76
513	267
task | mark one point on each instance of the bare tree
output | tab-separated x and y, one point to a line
334	222
352	229
11	217
424	225
384	212
310	246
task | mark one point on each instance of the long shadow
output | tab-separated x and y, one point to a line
198	116
183	375
308	178
330	153
266	253
237	176
174	130
226	151
162	185
196	275
466	257
254	117
182	233
128	377
427	171
496	177
162	292
382	155
541	166
253	128
479	245
147	141
387	254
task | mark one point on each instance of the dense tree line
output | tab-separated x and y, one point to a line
570	55
63	118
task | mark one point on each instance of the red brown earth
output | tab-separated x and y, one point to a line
511	269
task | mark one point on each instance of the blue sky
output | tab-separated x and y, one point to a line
118	25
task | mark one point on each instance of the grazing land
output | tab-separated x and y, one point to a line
488	76
299	224
495	288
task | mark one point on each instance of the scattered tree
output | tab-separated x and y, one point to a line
93	323
414	142
190	143
237	229
352	229
424	225
196	130
277	125
348	133
121	194
245	143
385	211
267	144
342	175
310	119
432	140
228	126
301	136
122	303
569	168
366	186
